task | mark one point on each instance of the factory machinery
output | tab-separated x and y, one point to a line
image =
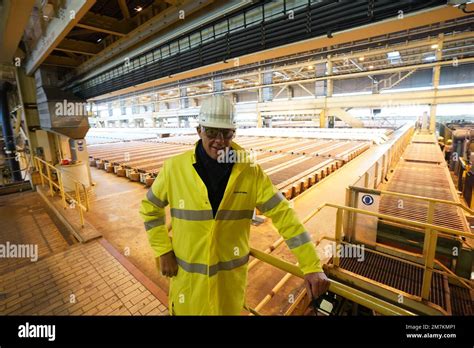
293	164
456	139
418	247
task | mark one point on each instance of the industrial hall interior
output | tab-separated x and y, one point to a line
254	158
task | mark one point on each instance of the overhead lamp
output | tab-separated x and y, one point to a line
310	67
371	67
138	8
434	46
394	57
429	58
361	59
99	40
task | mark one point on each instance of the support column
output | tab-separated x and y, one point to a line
329	90
184	101
267	91
290	92
217	84
329	82
259	99
26	86
7	129
436	77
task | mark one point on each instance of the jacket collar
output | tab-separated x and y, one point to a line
237	168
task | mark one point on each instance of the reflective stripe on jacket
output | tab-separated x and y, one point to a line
212	254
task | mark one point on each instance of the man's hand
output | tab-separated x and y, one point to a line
168	265
316	284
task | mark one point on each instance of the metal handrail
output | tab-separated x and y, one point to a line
381	307
366	300
406	195
59	185
402	220
431	235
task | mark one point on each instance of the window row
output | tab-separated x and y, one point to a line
235	23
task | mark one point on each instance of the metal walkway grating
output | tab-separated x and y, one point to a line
422	172
397	274
461	300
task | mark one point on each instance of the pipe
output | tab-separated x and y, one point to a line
8	133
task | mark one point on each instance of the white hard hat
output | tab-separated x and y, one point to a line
217	112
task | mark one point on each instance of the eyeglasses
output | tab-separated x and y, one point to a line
213	133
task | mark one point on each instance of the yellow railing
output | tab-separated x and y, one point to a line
405	195
431	236
430	212
364	299
46	171
380	306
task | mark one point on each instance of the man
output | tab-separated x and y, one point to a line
212	204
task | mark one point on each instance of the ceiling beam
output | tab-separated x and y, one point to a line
55	31
124	9
104	24
14	16
100	30
156	24
80	47
79	32
174	2
61	61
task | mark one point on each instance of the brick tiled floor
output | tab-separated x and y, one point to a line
24	220
83	280
69	278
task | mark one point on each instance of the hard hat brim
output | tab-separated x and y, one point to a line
223	125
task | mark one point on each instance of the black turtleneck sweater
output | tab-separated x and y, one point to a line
215	176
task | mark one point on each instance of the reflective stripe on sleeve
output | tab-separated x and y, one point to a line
155	200
272	202
154	223
298	240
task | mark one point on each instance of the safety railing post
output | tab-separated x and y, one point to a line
429	220
86	197
61	188
79	204
429	250
50	181
40	167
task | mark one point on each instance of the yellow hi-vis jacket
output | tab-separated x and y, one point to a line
212	253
